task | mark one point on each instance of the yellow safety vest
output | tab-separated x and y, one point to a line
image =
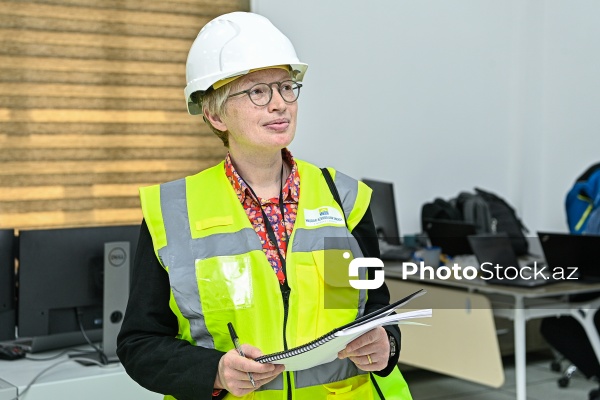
219	273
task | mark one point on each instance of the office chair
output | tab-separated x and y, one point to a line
556	366
568	338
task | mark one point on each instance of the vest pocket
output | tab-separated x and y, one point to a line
358	390
333	268
225	283
329	300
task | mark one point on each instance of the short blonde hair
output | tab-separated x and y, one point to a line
213	102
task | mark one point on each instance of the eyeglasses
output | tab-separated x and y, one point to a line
262	93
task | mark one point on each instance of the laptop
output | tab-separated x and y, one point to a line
451	236
499	264
383	208
577	255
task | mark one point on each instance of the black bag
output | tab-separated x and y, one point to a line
485	210
504	219
476	211
439	209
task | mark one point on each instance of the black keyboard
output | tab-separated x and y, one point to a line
10	352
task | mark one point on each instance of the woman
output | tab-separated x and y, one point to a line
237	243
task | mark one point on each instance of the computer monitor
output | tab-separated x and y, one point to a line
7	284
572	253
61	283
383	208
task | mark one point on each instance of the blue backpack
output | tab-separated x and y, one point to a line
583	203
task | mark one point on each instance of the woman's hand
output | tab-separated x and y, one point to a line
370	351
233	371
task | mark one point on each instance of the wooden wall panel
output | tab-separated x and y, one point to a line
92	107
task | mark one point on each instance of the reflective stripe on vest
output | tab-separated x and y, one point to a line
347	189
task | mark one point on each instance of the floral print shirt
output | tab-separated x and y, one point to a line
291	193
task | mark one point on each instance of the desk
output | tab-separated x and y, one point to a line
71	380
521	305
460	320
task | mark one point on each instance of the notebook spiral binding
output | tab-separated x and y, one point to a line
296	350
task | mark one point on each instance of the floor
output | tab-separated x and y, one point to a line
541	384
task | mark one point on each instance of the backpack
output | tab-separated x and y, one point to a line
593	224
505	219
583	201
475	211
488	212
439	209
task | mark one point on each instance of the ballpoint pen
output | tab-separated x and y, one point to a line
238	347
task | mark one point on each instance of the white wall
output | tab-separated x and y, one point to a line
442	96
570	135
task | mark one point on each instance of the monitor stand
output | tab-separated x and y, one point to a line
39	344
117	262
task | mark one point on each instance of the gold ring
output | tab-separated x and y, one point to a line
369	357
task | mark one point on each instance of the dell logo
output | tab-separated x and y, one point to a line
117	257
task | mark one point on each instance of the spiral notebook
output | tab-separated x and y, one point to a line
326	348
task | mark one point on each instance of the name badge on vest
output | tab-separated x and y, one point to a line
323	215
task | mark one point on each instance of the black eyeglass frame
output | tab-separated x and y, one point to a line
269	85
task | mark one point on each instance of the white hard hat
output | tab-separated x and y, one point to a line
232	45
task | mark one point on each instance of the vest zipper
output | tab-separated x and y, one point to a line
285	295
